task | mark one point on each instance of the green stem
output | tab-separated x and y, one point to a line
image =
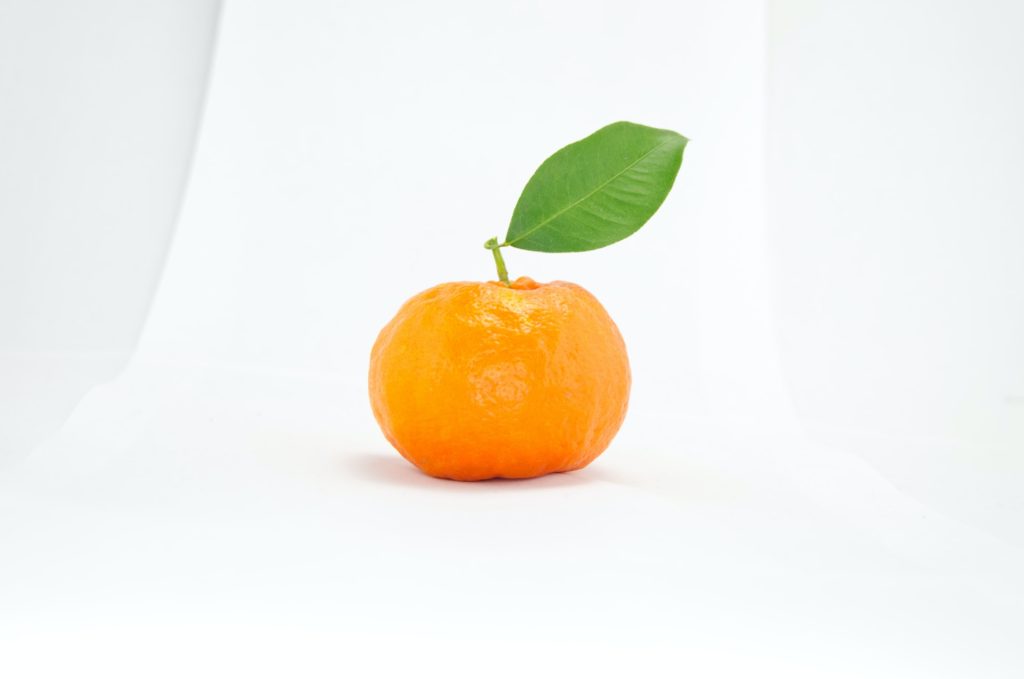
499	261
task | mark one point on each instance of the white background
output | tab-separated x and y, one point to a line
818	473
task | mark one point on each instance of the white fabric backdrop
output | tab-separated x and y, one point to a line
232	484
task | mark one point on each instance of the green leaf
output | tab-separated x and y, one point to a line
598	190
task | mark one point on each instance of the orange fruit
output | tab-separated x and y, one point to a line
473	381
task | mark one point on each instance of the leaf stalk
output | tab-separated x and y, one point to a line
499	261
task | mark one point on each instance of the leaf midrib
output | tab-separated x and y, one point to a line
592	192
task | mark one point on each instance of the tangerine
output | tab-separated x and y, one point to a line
472	381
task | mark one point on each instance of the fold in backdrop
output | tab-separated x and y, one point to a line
99	108
842	254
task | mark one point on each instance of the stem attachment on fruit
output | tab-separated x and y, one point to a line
499	261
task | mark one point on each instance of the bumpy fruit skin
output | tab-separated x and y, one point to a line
474	381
